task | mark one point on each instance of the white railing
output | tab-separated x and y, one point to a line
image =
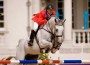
81	36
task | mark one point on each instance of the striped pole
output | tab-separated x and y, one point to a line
43	61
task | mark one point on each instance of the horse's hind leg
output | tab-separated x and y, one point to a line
20	53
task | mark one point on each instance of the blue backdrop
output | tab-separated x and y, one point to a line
85	25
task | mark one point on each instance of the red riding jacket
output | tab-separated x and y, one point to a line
41	17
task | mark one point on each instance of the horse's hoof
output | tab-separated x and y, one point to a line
47	50
30	44
53	51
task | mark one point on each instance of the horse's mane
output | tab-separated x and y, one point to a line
51	21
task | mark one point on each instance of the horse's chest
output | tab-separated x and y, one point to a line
45	35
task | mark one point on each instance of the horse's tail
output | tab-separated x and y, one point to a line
8	58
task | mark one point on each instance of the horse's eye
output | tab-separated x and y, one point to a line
56	30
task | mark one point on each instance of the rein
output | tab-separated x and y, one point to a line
47	31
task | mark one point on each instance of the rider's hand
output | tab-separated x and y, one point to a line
48	17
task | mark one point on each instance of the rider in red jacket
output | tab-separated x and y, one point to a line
40	19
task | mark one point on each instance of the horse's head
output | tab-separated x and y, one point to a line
59	28
58	34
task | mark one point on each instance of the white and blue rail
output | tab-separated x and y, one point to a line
43	61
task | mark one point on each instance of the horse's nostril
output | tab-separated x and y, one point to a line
56	30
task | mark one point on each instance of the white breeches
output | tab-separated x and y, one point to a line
35	26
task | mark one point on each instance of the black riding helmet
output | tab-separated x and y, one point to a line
49	6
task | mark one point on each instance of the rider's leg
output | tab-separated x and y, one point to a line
33	34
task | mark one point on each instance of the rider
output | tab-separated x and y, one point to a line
40	19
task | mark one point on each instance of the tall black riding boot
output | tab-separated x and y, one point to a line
33	34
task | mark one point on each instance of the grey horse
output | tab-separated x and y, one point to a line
46	38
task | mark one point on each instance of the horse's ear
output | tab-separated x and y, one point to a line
55	20
64	21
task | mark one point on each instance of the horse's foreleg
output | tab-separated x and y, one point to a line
59	45
56	48
45	44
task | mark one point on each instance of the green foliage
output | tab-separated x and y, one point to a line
44	56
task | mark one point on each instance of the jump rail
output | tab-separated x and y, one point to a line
43	61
